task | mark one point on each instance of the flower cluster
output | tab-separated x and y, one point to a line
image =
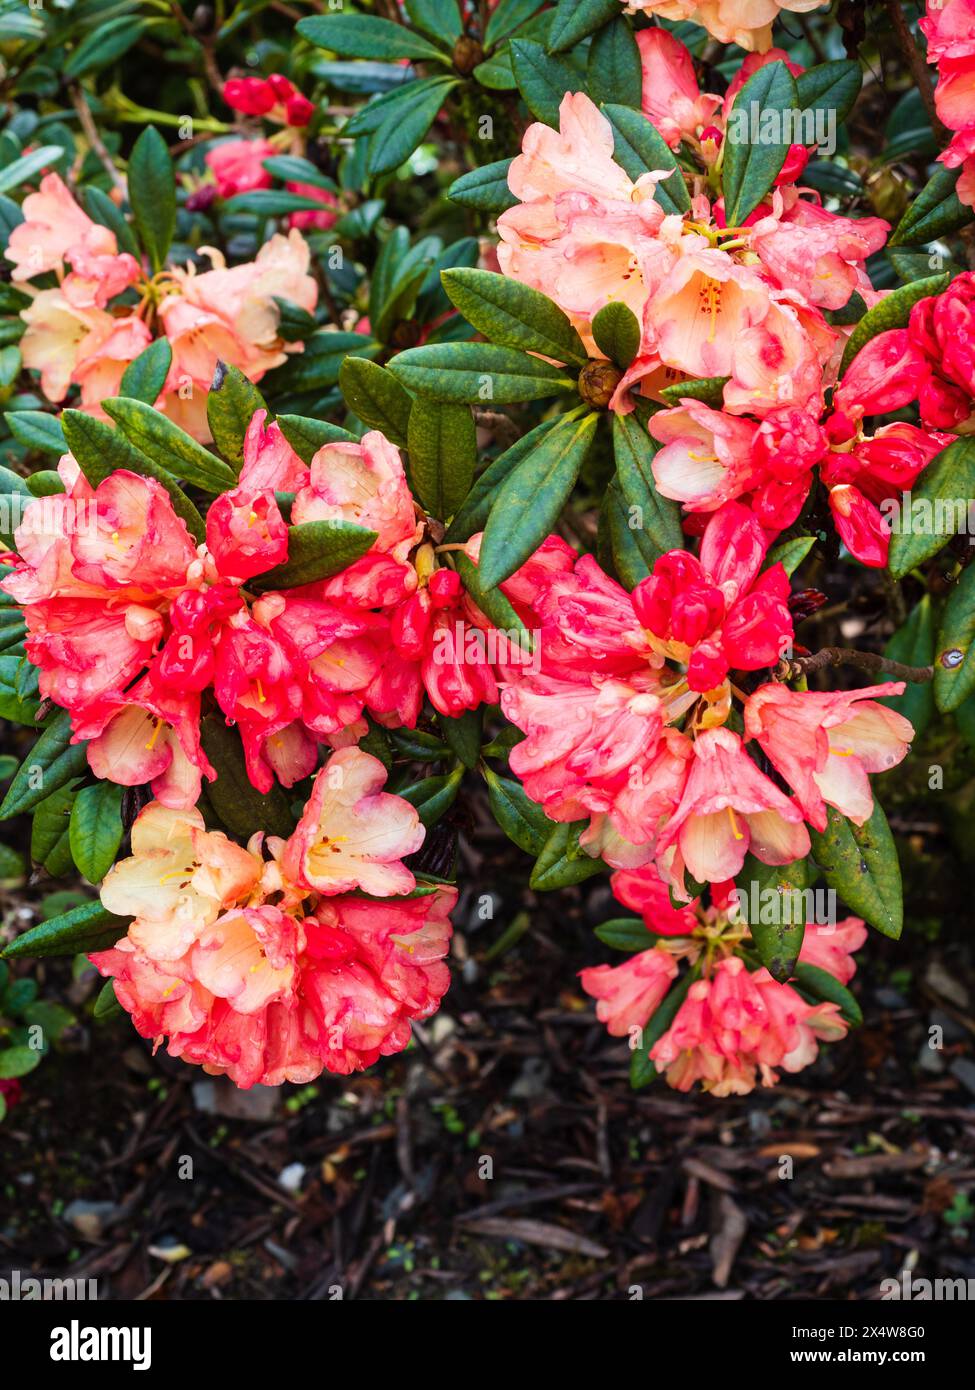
115	569
275	967
949	26
735	1025
626	721
85	332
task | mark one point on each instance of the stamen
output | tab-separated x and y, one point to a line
734	824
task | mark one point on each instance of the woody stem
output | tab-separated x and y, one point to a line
919	68
846	656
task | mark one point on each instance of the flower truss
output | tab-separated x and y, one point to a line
618	484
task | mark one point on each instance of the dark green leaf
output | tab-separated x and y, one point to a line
615	72
374	394
528	505
36	429
954	663
577	19
626	934
307	436
642	1070
831	88
512	314
404	128
104	44
937	211
771	899
50	844
316	550
167	445
496	606
641	149
27	166
433	795
238	803
440	19
751	166
152	194
485	188
860	863
474	513
658	517
709	389
443	450
478	374
542	81
522	820
95	830
464	735
937	508
52	761
232	403
508	16
88	927
364	36
819	983
145	377
617	333
562	861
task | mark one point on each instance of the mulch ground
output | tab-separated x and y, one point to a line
504	1156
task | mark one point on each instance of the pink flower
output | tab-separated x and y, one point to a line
717	613
818	253
824	745
55	230
269	462
671	99
630	993
363	483
238	165
352	834
274	97
645	892
318	220
728	808
707	455
86	346
831	947
246	533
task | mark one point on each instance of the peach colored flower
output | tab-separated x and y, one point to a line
671	98
363	483
747	23
85	346
629	994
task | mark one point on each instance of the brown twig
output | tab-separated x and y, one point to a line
92	136
209	62
920	70
794	668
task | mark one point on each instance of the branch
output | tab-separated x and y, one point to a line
92	136
920	70
845	656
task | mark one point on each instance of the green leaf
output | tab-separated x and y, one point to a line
562	861
18	1061
96	830
363	36
478	374
474	513
528	505
88	927
513	315
232	402
152	194
15	705
49	841
508	16
615	71
938	508
522	820
438	18
632	552
238	803
100	450
443	451
498	608
316	550
936	212
104	44
617	333
626	934
12	866
831	88
642	1070
272	202
954	664
641	149
404	128
170	447
375	395
14	488
106	1005
771	899
294	323
464	735
575	20
913	644
485	188
750	170
317	366
36	429
659	517
145	377
789	554
892	312
433	796
24	168
52	761
102	210
813	980
860	862
709	389
307	436
294	168
542	81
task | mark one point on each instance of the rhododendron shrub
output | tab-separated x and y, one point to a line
559	410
